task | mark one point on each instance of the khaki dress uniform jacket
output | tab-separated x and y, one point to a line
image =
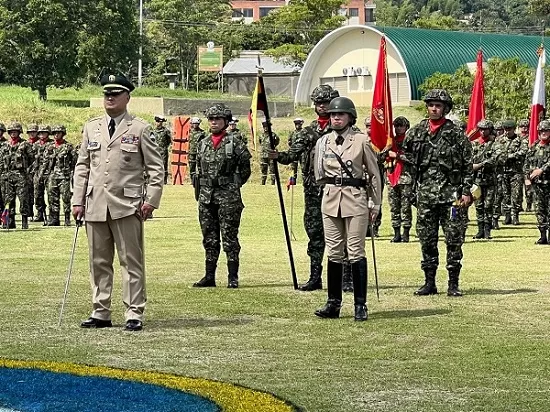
109	182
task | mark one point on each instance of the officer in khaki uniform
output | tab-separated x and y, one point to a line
347	167
109	194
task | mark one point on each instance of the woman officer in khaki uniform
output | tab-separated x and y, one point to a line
346	165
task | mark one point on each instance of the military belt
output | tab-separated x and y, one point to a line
343	181
220	181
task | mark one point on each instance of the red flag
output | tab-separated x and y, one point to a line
538	104
259	102
381	116
476	111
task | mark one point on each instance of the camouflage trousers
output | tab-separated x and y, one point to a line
542	205
499	196
400	197
16	185
59	188
40	184
165	156
513	193
265	166
31	194
313	224
428	220
485	205
224	219
529	195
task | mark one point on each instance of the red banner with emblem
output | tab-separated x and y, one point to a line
476	112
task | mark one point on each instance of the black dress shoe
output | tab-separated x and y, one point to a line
134	325
96	323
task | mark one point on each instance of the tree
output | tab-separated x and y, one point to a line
540	8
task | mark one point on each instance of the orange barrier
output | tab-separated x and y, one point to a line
180	149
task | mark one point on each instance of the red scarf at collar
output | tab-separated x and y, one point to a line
323	122
397	140
436	124
544	142
13	142
217	138
32	141
59	142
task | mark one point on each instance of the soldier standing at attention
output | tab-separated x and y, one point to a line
3	169
163	137
223	166
195	134
523	126
235	130
298	124
514	151
265	163
17	159
110	194
61	159
41	177
537	174
303	149
499	176
347	166
440	156
32	133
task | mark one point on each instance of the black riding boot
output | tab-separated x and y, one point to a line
405	235
429	287
359	271
543	240
480	231
209	279
453	283
397	235
233	274
334	282
24	222
315	282
67	218
347	283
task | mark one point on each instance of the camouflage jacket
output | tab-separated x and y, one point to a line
38	149
303	150
441	164
16	157
538	157
163	137
194	137
239	135
58	161
265	144
514	152
405	177
489	155
222	170
32	167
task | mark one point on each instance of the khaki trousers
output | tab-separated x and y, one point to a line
345	232
126	234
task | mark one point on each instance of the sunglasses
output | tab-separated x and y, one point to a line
114	94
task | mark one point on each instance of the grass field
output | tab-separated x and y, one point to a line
487	351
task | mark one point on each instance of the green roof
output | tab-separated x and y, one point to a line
428	51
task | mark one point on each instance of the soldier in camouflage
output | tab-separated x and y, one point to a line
163	137
499	176
17	159
440	157
486	155
523	126
32	133
58	162
265	163
235	130
40	177
298	125
303	150
195	135
2	171
223	166
514	151
537	174
381	155
400	184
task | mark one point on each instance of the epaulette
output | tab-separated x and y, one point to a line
95	118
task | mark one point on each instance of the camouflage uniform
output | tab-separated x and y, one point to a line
265	163
194	137
499	175
32	130
59	159
514	151
2	171
441	164
523	125
539	158
41	175
221	171
163	137
291	137
17	158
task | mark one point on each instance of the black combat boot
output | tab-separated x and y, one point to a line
40	215
334	282
507	218
54	220
347	282
209	279
529	207
406	234
396	235
453	289
359	271
264	178
24	222
429	287
12	222
515	219
480	231
543	240
233	274
487	231
315	281
495	224
67	218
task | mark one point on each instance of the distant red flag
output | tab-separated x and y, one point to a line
259	102
476	111
538	104
381	116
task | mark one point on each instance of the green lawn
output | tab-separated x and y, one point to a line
487	351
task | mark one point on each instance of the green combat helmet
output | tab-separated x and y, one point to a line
44	128
324	93
401	121
439	95
509	124
544	125
461	124
343	105
15	126
220	111
498	125
523	123
485	124
59	128
33	127
2	127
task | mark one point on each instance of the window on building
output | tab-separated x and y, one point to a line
342	12
237	13
353	12
369	15
248	12
264	11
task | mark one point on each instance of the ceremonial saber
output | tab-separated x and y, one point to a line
69	272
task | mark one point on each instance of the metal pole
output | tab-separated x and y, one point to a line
69	271
292	211
140	67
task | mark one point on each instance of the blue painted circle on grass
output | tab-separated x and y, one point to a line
34	390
